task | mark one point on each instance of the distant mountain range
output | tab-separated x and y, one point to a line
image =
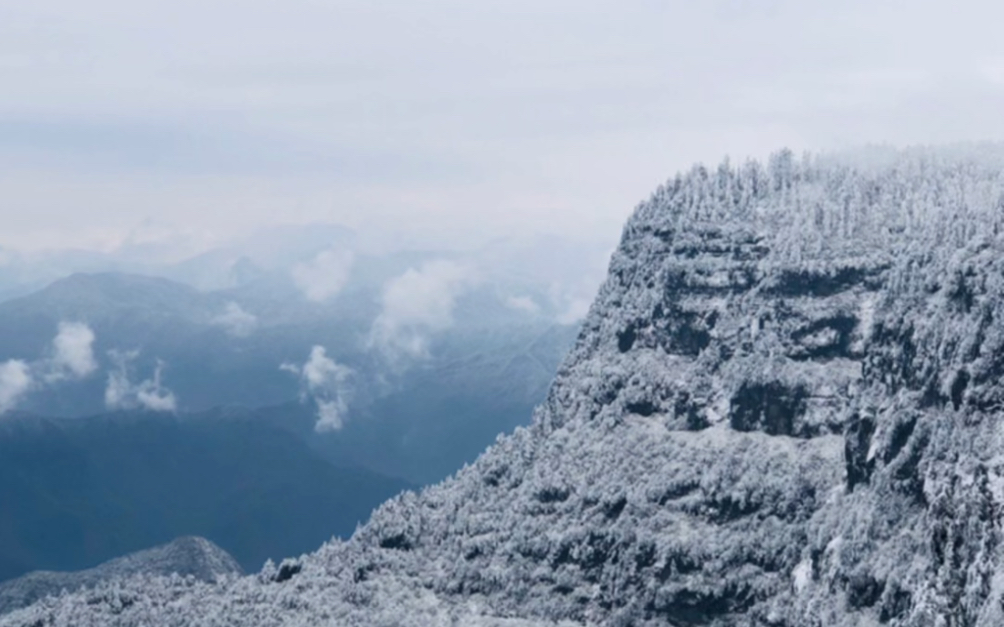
563	267
426	358
420	418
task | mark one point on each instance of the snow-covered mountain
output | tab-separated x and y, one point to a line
188	556
782	410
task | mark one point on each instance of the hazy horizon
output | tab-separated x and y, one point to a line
195	123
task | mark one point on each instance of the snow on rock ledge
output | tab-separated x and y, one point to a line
782	410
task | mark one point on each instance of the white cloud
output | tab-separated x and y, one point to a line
119	390
330	415
321	372
523	303
72	358
575	310
328	383
150	394
572	300
73	352
416	304
235	321
15	381
153	396
324	276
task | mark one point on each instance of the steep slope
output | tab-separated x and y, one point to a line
188	557
782	410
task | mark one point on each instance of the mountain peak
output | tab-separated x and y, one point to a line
96	294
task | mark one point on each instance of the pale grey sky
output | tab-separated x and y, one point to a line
446	118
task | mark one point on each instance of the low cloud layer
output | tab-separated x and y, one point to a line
323	277
417	304
328	383
15	382
235	321
574	310
150	394
525	304
71	358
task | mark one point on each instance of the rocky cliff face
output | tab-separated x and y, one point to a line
782	410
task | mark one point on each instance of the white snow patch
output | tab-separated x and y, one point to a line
866	321
801	577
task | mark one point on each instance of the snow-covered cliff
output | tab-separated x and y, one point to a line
781	410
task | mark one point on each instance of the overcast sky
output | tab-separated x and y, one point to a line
449	119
